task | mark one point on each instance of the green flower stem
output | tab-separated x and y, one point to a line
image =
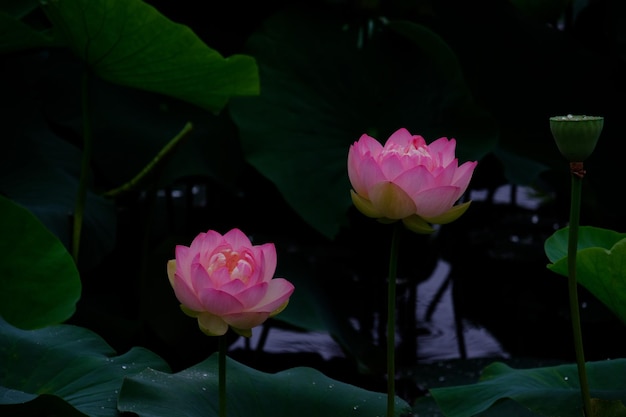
81	195
391	320
572	247
222	375
152	165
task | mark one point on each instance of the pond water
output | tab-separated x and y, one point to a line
441	334
494	300
497	302
437	339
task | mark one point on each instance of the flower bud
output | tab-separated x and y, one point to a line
576	136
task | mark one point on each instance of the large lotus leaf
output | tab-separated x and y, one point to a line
600	263
298	391
325	82
455	372
588	237
39	282
132	44
548	391
70	363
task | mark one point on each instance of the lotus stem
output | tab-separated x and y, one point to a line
81	195
572	248
223	346
391	319
152	165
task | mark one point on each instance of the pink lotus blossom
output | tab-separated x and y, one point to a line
226	281
408	180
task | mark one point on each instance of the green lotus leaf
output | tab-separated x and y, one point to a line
130	43
65	368
298	391
547	391
39	282
600	264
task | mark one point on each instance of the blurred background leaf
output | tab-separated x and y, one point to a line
325	81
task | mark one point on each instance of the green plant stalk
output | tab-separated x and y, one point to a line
160	157
391	319
81	195
572	248
222	375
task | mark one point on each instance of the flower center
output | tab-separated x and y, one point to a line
414	150
233	261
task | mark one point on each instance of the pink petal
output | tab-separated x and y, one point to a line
392	166
205	242
366	148
436	201
401	137
184	257
199	278
354	159
268	253
185	294
196	243
413	181
251	296
246	320
218	302
370	174
220	277
444	150
237	240
445	175
247	267
278	291
253	267
368	145
355	163
463	175
234	287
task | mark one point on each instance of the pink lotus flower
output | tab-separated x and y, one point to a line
226	281
408	180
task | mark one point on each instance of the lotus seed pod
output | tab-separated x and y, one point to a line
576	135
